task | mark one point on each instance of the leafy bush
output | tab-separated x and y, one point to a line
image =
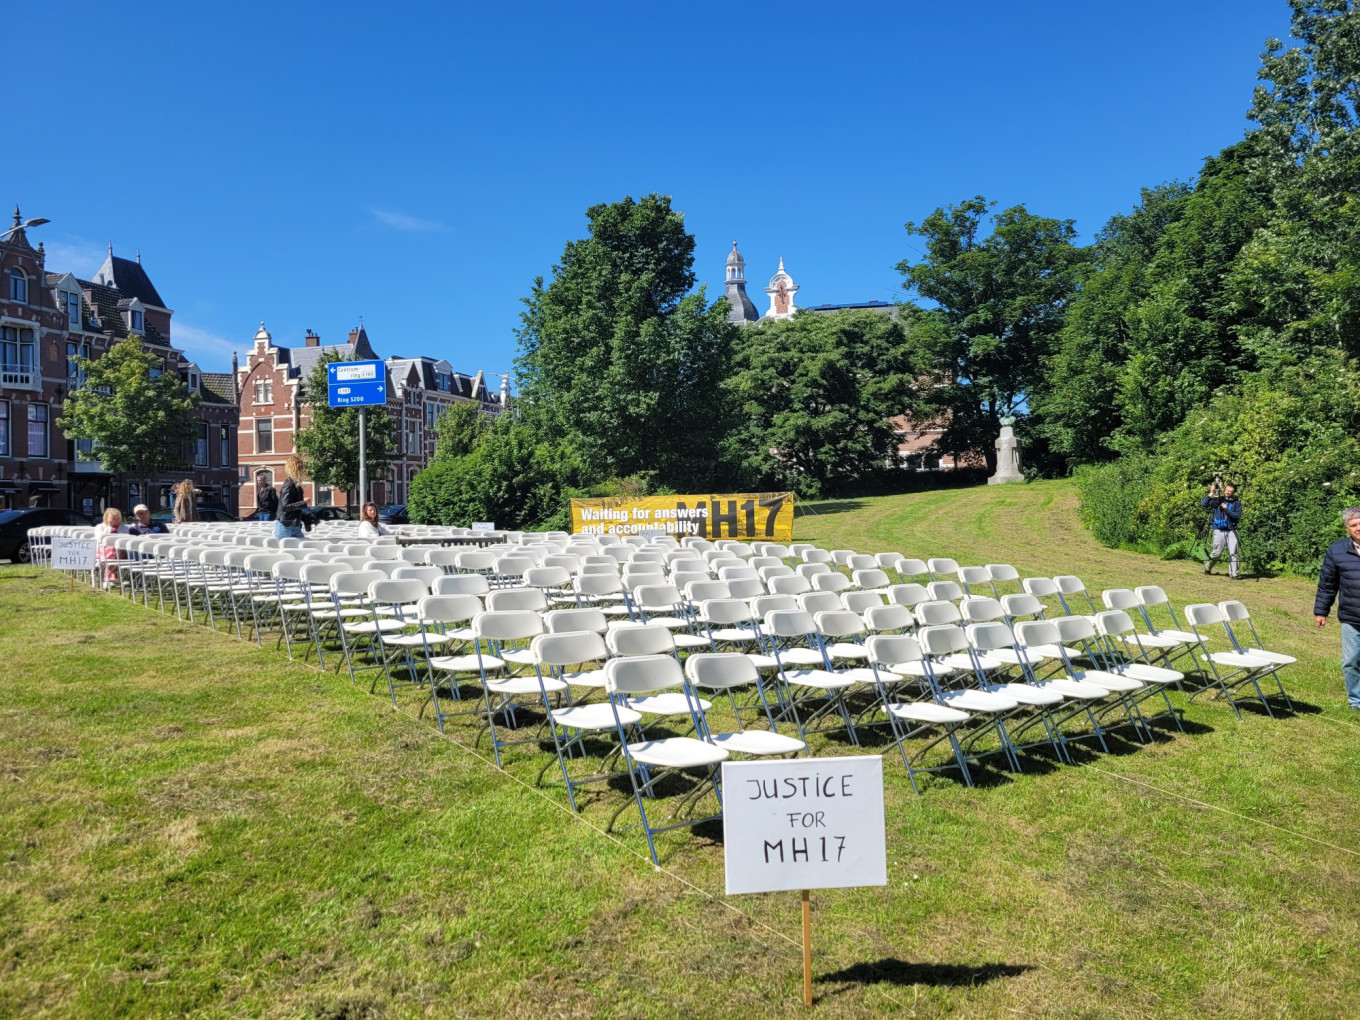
1288	437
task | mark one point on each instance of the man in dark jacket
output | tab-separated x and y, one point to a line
266	499
1341	575
1227	511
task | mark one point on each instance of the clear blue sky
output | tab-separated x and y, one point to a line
418	165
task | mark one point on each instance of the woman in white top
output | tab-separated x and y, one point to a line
368	522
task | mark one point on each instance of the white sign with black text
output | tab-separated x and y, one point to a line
483	525
805	823
72	554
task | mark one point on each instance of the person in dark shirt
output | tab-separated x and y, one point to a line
266	499
145	525
1227	511
292	503
1340	576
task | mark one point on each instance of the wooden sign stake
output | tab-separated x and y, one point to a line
807	949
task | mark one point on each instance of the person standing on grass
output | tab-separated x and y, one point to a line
1340	576
1227	511
292	503
185	507
266	499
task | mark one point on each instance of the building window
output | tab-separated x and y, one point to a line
18	355
431	415
411	431
4	428
193	382
201	446
325	495
136	320
264	435
18	285
37	430
264	392
72	309
226	446
75	371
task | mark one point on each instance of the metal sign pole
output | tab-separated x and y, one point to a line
363	458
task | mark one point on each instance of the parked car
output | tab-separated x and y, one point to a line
394	514
14	525
319	513
206	512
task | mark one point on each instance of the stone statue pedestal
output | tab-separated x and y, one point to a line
1007	457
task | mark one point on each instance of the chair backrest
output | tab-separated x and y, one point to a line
1151	595
734	572
1003	572
815	602
859	601
701	591
657	596
746	587
942	565
416	554
879	618
937	613
815	555
1037	632
1069	584
264	563
975	575
568	561
598	584
909	594
611	568
475	559
449	608
1039	587
981	610
1234	611
892	649
909	567
789	623
643	674
763	605
355	582
1202	614
559	621
568	648
720	670
1119	598
385	566
944	591
1075	628
870	577
777	570
639	639
811	570
427	574
531	599
942	639
839	623
547	577
319	572
987	636
725	612
394	592
832	582
1114	621
1021	605
288	569
682	578
765	561
794	584
461	584
380	551
507	625
861	561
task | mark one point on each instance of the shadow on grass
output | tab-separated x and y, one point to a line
944	975
831	506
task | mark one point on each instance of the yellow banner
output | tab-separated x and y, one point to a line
747	516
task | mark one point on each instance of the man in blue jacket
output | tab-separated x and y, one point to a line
1227	511
1341	576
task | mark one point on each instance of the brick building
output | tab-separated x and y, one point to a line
273	410
49	318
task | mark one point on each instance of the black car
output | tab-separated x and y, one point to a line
14	525
206	512
319	513
394	514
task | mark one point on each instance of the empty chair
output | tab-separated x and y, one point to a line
815	555
461	584
640	639
505	599
700	591
944	591
1122	690
802	664
1145	642
746	587
814	602
732	573
860	561
427	574
793	584
1002	573
415	554
832	582
554	582
661	603
810	570
945	643
1149	597
893	619
909	567
605	592
766	561
995	642
841	557
909	594
871	579
386	566
976	577
942	565
1229	671
1040	587
444	559
725	672
860	601
778	570
503	639
1071	585
733	624
1236	612
561	621
1116	624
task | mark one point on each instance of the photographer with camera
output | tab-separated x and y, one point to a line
1223	503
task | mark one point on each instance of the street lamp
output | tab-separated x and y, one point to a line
21	224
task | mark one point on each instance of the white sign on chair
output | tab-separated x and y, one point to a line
73	553
805	823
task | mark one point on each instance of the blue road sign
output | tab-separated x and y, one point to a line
356	384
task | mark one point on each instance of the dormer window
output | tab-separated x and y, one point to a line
136	321
193	381
18	285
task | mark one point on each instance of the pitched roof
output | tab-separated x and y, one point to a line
130	278
217	385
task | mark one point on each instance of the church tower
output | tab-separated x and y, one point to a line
741	308
781	291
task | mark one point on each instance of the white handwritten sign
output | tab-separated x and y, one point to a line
72	554
483	525
808	823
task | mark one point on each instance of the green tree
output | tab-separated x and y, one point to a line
999	304
136	416
619	359
458	428
330	442
816	395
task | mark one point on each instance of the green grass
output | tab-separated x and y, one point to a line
192	826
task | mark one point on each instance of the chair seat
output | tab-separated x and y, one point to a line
690	641
757	742
373	626
928	712
519	656
1237	660
1026	694
1151	674
1012	658
1110	681
466	663
847	650
1070	688
416	640
347	614
1052	652
1159	640
669	703
817	678
676	753
1278	658
593	678
986	660
762	661
917	670
525	685
863	675
669	622
599	716
801	657
1181	636
733	635
979	701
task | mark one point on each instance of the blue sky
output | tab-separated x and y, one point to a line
418	165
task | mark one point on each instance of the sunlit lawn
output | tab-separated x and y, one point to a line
190	825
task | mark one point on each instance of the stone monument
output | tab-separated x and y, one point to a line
1007	455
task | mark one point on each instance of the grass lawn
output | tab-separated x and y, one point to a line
190	825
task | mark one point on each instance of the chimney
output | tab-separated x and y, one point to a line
354	334
312	339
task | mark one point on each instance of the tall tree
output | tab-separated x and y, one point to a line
330	442
816	395
619	358
136	416
999	304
